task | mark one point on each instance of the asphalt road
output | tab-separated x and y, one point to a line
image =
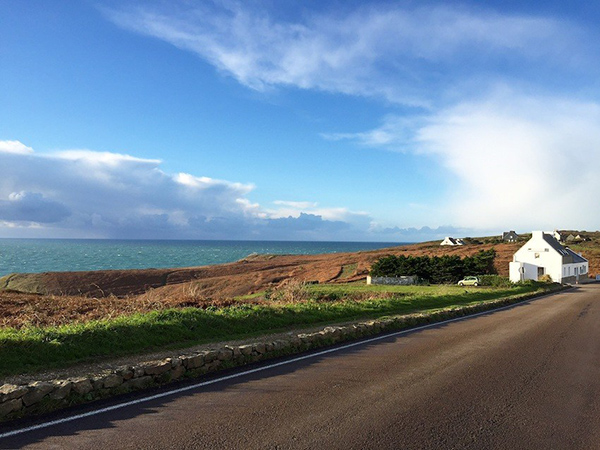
524	377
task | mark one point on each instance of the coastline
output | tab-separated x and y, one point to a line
64	255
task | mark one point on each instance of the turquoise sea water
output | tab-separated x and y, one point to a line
46	255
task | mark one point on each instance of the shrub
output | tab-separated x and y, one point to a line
437	269
495	281
291	291
545	278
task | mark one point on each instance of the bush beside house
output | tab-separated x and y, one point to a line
436	269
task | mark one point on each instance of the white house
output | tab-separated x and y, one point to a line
543	255
452	241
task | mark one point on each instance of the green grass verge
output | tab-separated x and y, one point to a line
34	349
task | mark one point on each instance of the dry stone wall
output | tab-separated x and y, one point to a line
42	396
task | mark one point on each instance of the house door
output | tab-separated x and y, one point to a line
541	271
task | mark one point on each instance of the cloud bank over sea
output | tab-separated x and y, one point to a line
88	194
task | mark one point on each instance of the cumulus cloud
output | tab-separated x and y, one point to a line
521	160
518	161
82	193
390	51
102	194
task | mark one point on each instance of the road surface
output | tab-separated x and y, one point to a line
523	377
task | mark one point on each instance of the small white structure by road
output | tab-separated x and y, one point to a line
544	255
394	281
452	241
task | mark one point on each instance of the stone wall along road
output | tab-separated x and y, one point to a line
523	377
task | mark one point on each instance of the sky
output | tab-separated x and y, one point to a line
390	121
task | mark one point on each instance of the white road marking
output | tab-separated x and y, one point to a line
248	372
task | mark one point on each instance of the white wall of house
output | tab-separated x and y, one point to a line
576	269
520	271
539	253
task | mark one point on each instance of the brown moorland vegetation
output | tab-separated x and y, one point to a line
57	298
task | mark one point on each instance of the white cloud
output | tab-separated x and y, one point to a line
526	161
107	159
390	51
519	161
202	183
14	147
395	132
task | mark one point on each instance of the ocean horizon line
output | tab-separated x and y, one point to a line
35	255
201	240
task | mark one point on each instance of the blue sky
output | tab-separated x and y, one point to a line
331	120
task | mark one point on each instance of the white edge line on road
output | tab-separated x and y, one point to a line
248	372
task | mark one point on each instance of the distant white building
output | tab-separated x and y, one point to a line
543	255
452	241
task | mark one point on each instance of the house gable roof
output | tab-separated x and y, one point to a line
576	257
552	242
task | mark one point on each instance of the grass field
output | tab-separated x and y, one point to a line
294	306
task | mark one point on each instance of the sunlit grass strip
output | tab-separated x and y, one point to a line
33	349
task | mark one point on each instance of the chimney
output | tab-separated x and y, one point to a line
537	234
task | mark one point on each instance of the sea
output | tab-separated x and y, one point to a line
58	255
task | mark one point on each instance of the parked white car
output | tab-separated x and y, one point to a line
469	281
